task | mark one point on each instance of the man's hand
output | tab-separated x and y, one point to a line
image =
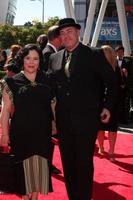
105	115
124	72
54	130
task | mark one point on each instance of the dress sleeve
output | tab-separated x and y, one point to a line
7	84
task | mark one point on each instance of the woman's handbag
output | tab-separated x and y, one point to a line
7	173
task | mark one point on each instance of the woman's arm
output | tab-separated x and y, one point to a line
4	118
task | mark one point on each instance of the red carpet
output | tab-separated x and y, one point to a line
112	181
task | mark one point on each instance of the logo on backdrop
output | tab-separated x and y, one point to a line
110	29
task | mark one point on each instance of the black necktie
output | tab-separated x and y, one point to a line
67	65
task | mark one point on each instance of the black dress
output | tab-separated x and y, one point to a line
30	126
113	123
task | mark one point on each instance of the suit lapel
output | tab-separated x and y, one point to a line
58	61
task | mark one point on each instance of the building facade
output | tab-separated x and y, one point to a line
7	11
110	29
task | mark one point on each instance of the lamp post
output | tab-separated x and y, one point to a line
42	1
42	11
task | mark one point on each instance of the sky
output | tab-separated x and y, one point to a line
29	10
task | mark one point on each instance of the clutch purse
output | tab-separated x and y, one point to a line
7	172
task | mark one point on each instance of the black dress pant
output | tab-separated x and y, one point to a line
77	159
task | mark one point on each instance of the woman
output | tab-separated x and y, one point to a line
112	126
27	105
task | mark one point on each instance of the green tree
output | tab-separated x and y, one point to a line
24	34
28	24
7	34
51	21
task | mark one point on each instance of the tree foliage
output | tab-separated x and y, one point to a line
22	35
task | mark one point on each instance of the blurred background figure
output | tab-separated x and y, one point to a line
112	125
124	66
42	41
14	49
121	62
129	83
3	58
53	45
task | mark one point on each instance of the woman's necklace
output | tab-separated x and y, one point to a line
33	83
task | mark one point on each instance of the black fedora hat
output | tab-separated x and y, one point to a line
66	22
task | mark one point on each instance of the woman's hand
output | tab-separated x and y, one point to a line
5	119
4	140
105	115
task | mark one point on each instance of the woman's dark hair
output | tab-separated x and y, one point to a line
19	59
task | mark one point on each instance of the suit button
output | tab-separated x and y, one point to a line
68	94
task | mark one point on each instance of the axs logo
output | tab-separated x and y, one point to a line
108	32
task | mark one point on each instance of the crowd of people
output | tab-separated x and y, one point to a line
63	85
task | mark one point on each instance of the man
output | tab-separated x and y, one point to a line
124	66
121	62
54	43
79	108
42	41
52	46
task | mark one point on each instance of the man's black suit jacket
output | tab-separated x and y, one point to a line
82	97
47	51
126	63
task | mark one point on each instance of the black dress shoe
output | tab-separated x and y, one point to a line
54	170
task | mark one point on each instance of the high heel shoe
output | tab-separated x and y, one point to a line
111	158
101	152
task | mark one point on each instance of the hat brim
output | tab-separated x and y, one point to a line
69	25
